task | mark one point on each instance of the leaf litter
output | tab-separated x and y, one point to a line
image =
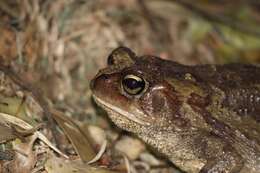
49	51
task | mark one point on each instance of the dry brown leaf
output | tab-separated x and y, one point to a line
55	165
24	159
79	139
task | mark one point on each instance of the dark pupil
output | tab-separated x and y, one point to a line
133	84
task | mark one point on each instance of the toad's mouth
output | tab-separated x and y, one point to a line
120	111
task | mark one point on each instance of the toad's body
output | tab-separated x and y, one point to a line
204	118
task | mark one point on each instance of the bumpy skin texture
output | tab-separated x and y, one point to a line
204	118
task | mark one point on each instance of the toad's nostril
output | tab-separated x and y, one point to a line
103	78
99	80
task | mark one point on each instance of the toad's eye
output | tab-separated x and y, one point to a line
133	85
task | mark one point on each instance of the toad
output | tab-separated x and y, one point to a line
203	118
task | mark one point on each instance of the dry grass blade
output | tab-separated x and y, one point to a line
100	153
6	133
18	122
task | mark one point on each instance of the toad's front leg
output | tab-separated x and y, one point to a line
228	162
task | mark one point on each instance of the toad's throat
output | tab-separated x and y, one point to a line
124	113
